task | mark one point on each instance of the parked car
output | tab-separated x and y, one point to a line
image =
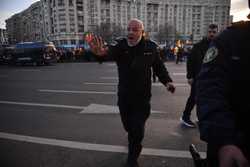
37	53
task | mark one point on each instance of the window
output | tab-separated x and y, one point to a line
62	24
71	3
81	42
80	18
63	42
61	3
62	19
63	30
79	8
62	15
79	2
80	28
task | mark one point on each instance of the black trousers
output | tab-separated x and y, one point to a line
212	155
134	112
190	102
154	76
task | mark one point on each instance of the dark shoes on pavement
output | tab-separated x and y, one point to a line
187	122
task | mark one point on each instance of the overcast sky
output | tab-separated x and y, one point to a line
239	9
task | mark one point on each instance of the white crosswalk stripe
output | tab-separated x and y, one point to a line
42	105
114	84
106	109
96	147
90	109
179	74
75	91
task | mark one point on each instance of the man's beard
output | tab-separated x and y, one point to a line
134	43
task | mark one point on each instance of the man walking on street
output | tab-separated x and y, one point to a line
134	56
194	62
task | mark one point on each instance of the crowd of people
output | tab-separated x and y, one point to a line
74	55
177	54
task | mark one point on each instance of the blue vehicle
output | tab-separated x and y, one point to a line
36	53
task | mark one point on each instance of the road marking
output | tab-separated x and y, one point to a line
106	109
111	64
72	91
28	70
99	83
174	74
109	78
179	74
166	63
95	147
90	109
176	84
114	84
42	105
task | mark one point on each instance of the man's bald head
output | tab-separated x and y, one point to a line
136	21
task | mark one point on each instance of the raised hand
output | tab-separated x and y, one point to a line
96	44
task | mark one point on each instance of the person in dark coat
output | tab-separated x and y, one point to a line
223	107
179	55
194	61
134	56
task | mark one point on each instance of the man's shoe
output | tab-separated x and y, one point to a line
198	161
187	123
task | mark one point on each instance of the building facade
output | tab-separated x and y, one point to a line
26	26
65	21
3	36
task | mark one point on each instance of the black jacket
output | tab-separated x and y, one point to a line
134	67
194	59
223	89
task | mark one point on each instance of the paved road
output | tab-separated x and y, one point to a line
65	115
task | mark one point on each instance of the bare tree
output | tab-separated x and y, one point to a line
117	31
104	30
108	31
165	33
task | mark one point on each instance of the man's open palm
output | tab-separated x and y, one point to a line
96	44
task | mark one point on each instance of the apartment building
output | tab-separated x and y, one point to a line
66	21
27	25
3	36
